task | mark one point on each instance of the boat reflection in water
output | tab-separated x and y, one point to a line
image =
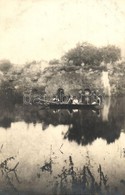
105	111
85	126
46	151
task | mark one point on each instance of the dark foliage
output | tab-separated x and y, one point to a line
88	54
5	65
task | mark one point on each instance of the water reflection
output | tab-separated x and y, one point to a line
45	163
106	108
45	151
84	126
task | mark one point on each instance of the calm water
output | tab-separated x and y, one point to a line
61	151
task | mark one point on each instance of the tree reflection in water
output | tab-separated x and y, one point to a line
87	125
84	126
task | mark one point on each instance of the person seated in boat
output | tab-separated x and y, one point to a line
87	100
93	98
70	100
98	100
75	100
100	96
93	95
80	96
55	99
87	96
94	103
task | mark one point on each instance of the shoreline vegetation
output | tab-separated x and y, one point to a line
80	67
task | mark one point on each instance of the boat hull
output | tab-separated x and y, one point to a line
74	106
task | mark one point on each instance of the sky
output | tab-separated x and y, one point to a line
46	29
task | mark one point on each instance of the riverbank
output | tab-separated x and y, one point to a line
32	77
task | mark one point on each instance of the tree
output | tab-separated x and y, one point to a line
54	62
88	54
5	65
110	53
60	94
74	56
83	53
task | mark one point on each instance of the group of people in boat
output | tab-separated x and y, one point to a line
84	97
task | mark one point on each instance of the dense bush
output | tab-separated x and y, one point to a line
87	54
110	54
54	62
5	65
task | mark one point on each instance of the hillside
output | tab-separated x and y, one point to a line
72	78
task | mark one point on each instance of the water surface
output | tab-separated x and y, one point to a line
45	151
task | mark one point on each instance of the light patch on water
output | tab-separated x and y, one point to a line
106	84
32	147
105	110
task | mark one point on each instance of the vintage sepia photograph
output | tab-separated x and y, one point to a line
62	97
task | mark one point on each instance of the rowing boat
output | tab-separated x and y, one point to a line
73	106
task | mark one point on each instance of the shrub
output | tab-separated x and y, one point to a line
5	65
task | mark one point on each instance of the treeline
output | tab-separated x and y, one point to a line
87	54
5	65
